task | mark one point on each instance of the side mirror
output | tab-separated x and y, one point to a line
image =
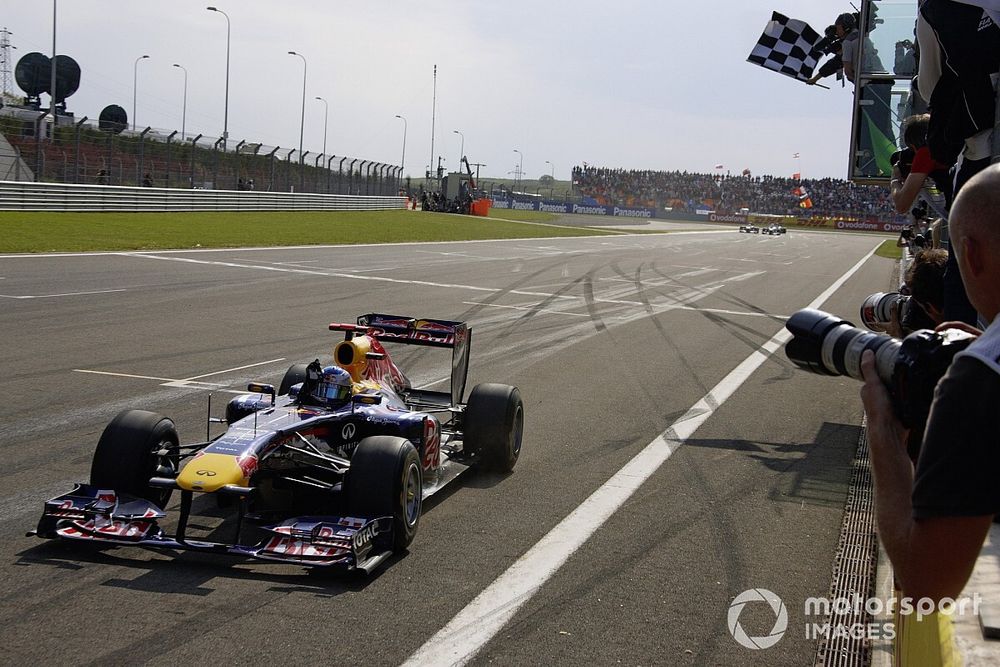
367	399
259	388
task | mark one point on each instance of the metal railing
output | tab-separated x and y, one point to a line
23	196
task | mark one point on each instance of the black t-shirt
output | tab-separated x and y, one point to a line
958	472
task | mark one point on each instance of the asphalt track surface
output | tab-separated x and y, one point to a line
611	340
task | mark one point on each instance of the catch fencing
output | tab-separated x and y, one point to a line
26	196
79	152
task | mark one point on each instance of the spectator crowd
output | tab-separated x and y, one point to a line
681	190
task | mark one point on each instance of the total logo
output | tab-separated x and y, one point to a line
756	595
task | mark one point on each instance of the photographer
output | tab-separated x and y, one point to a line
924	288
915	165
933	519
905	59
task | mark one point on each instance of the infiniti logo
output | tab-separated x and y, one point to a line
348	431
206	473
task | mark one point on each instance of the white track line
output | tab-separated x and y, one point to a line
702	289
190	383
50	255
466	634
52	296
167	381
230	370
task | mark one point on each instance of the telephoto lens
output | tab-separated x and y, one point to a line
876	310
910	368
827	345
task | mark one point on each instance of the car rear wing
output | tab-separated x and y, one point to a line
417	331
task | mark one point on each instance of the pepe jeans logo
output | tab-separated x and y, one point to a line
348	431
780	622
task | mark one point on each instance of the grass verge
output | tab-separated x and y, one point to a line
889	250
27	232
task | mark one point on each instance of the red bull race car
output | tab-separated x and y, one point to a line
330	469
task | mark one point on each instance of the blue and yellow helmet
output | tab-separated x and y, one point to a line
333	388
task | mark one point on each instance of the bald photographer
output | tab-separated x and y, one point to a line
933	517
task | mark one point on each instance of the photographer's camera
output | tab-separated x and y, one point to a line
909	368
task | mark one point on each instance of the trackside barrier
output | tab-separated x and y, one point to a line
19	196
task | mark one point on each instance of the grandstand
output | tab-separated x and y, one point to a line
726	194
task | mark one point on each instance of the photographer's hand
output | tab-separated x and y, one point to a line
962	326
883	427
894	327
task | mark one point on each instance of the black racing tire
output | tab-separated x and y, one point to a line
295	374
126	455
386	479
494	425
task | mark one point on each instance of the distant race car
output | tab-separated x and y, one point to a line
749	228
332	468
774	229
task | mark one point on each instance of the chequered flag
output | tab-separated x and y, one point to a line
787	46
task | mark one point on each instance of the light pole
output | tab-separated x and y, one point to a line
520	167
225	115
52	80
402	160
326	120
185	105
462	153
552	171
135	81
302	124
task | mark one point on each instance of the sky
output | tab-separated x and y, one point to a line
643	84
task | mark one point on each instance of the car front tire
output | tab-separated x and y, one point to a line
386	479
128	455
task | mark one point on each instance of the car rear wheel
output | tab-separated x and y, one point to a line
385	479
131	450
494	425
295	374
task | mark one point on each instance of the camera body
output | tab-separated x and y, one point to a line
830	43
903	159
910	369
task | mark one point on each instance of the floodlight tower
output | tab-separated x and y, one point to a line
5	47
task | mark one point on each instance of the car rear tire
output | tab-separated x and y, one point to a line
494	425
385	479
295	374
127	455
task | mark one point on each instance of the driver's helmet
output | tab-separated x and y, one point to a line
333	387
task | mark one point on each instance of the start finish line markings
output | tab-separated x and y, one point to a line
184	383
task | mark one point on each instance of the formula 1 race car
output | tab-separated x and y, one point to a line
749	228
332	468
774	229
